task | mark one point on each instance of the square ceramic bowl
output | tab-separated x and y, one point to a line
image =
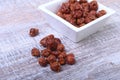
64	27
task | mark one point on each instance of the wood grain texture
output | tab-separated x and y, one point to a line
98	56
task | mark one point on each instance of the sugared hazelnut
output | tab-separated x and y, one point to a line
35	52
85	14
85	7
77	6
73	21
51	59
62	61
56	53
60	14
77	14
71	54
51	44
42	61
81	24
87	20
93	5
70	59
62	55
60	47
51	36
65	8
33	32
101	13
57	40
45	52
55	66
68	17
43	42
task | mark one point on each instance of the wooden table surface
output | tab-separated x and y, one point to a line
98	56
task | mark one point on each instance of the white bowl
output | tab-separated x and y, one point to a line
66	28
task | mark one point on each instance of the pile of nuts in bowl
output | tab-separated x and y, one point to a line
53	53
81	12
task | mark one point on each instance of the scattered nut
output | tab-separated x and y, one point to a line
60	47
51	44
42	61
70	59
53	54
62	55
45	52
51	36
35	52
43	42
62	61
56	53
58	41
55	66
51	59
33	32
71	54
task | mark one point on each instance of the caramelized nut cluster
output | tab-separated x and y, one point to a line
80	12
53	54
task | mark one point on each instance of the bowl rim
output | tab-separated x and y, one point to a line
47	11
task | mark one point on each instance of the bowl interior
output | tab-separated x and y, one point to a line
52	7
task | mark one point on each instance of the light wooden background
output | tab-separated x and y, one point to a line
98	56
